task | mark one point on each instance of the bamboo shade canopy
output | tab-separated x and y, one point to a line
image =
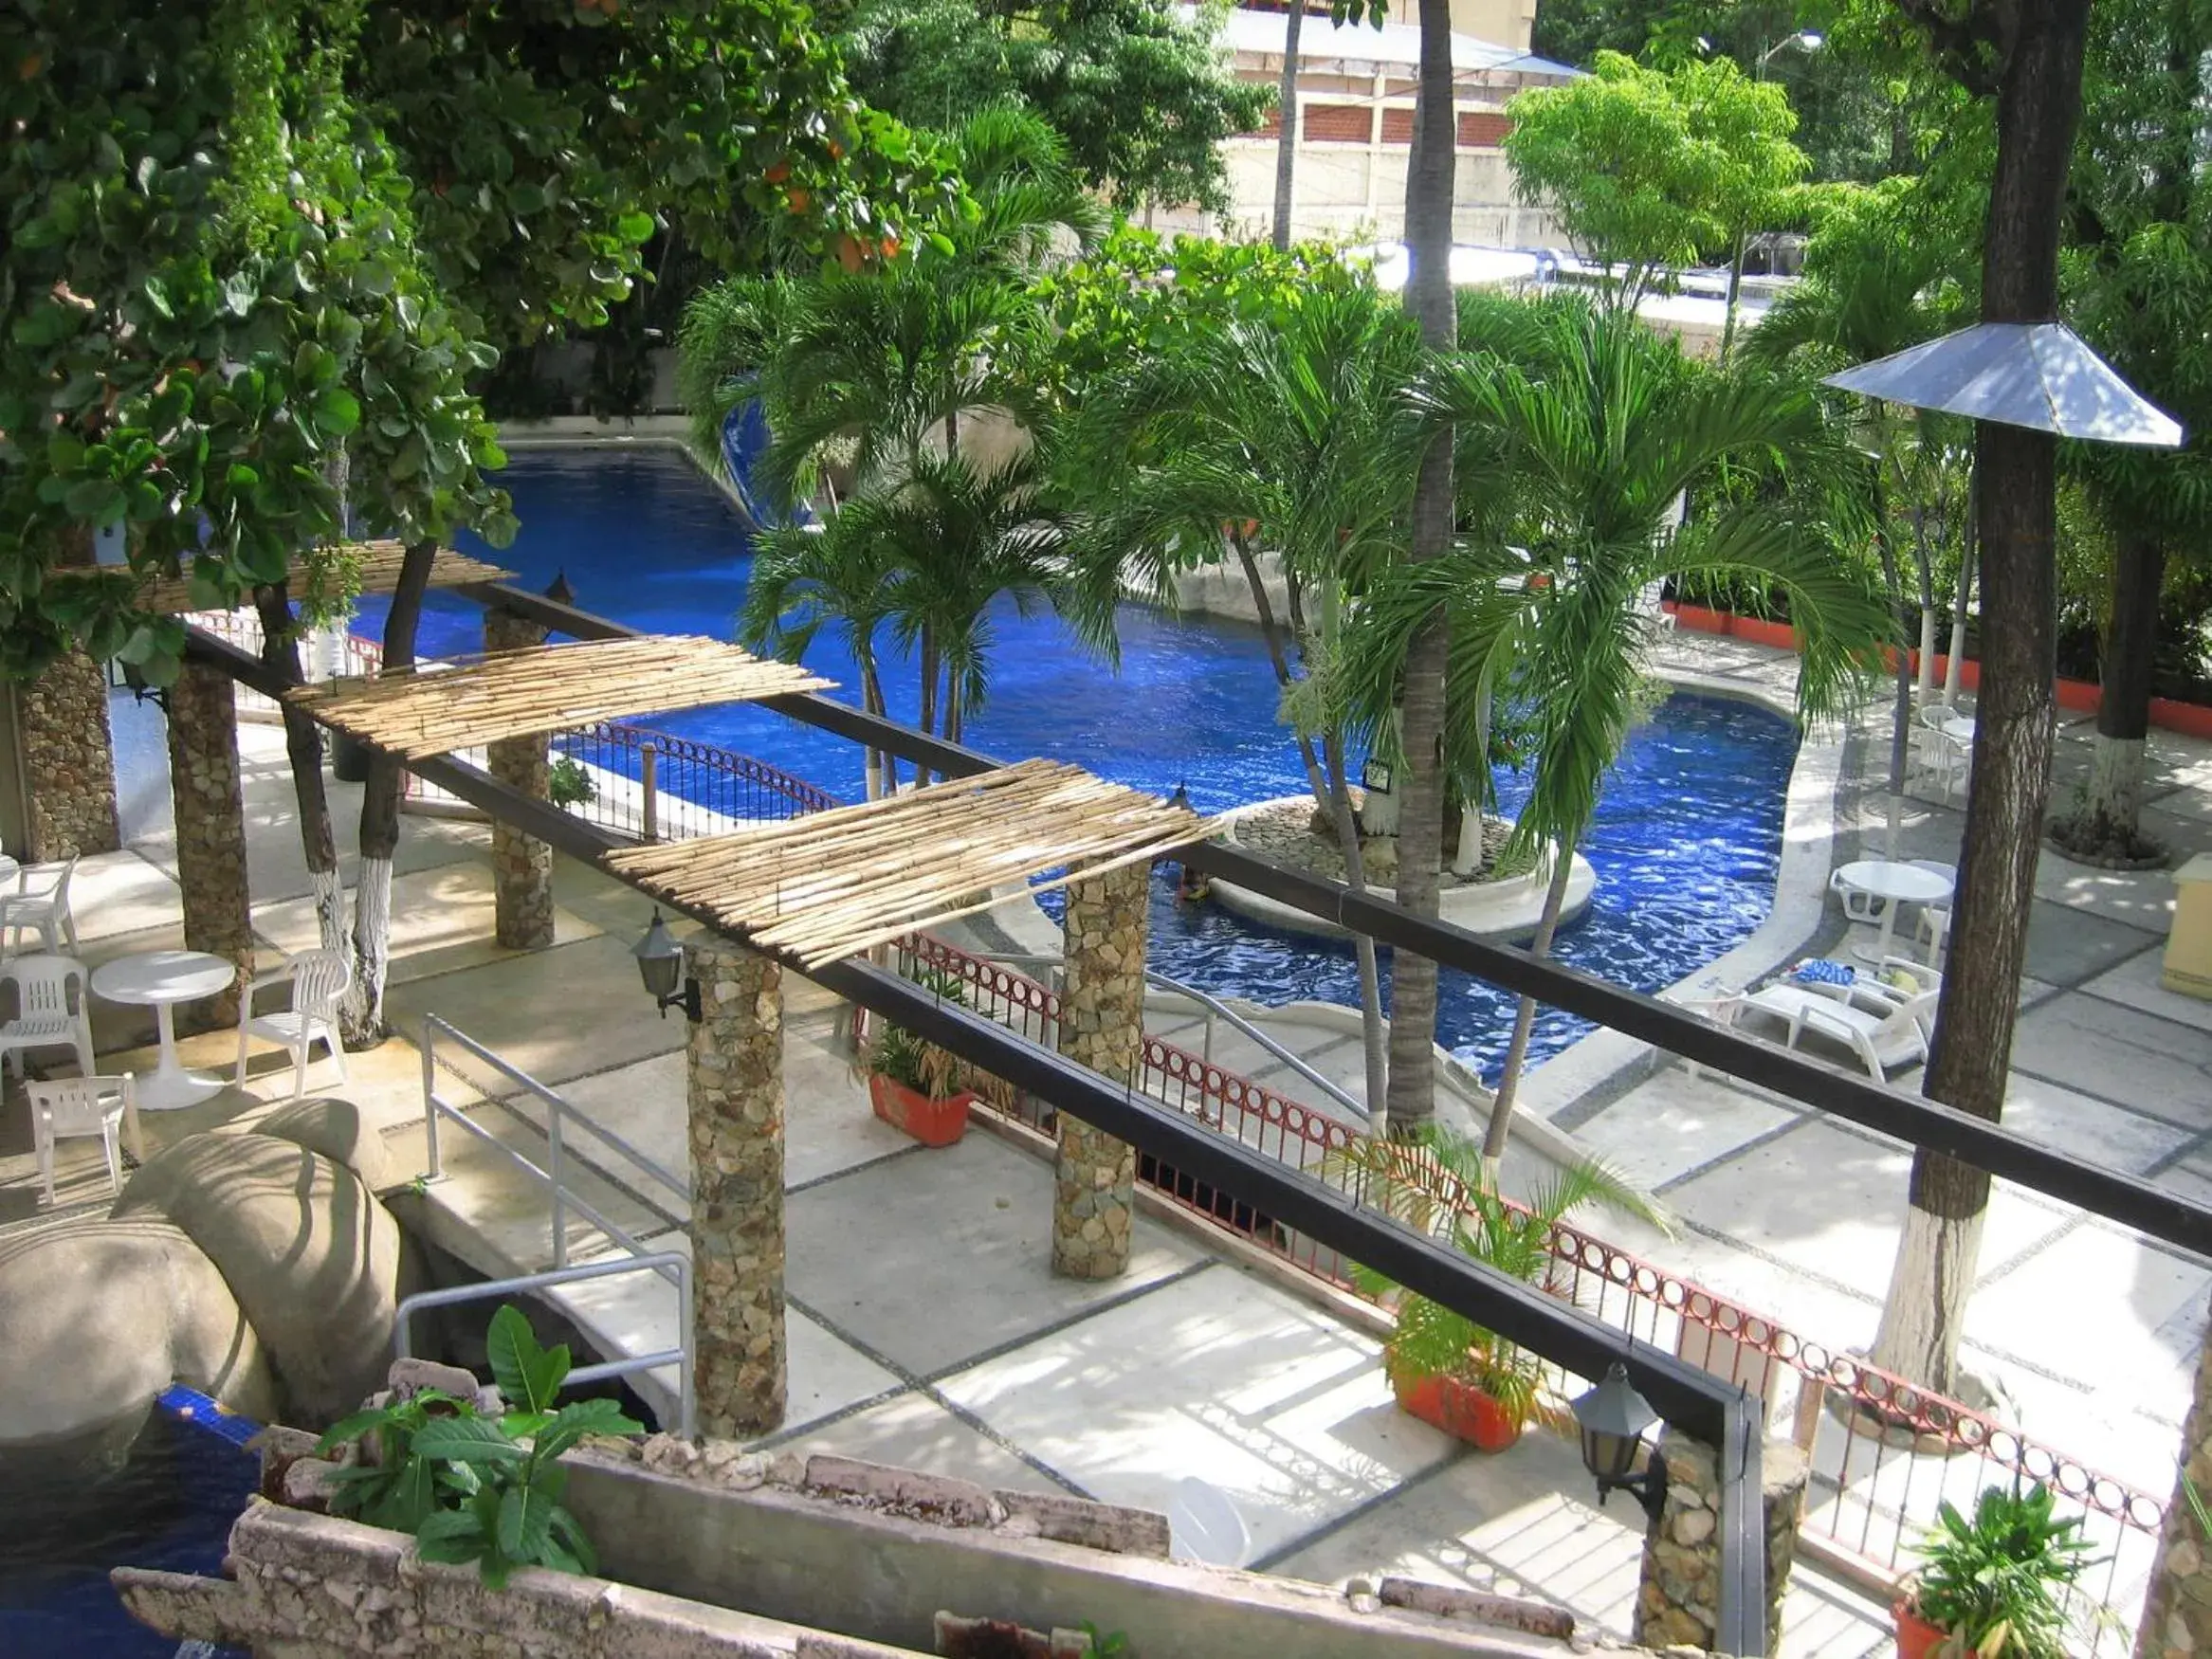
375	567
544	689
831	883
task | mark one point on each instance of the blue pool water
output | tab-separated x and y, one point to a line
168	1503
1685	844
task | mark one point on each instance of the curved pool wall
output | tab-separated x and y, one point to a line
1685	844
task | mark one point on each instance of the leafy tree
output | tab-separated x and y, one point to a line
1651	170
1292	434
2028	59
1139	92
1592	427
2138	283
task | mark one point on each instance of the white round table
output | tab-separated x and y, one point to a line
1898	884
161	980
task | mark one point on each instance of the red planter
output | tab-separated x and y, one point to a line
932	1122
1916	1637
1459	1409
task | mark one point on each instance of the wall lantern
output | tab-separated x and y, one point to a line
660	964
1613	1417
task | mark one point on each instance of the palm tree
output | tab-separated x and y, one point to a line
1604	425
1299	438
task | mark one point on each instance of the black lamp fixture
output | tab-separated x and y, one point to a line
660	964
143	688
1613	1417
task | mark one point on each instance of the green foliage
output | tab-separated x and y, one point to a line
1996	1584
1142	95
892	1051
568	784
471	1489
1648	168
1438	1185
254	246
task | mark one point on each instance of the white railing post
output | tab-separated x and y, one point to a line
649	785
436	1169
557	1169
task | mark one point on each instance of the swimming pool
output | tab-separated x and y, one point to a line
1685	845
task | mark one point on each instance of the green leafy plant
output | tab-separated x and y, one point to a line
894	1052
567	784
1438	1184
474	1488
1107	1644
1994	1585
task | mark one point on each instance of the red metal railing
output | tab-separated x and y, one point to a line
1883	1452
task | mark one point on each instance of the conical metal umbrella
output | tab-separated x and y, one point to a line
2039	375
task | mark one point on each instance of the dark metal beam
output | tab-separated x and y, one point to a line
2126	1198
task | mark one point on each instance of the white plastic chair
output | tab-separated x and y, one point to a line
1884	1029
72	1107
317	979
47	1015
1932	930
1204	1525
44	906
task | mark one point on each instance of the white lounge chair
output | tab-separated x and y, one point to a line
317	979
46	1014
41	903
83	1106
1885	1029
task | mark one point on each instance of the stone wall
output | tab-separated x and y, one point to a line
2177	1615
1102	1026
522	866
68	763
1678	1600
210	832
736	1103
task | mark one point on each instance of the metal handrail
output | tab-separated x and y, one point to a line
658	1262
557	1112
1215	1009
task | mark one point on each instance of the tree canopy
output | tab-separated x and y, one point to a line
1139	92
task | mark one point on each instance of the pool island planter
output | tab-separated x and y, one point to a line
2192	719
932	1122
1460	1408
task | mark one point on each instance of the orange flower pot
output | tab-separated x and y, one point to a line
1916	1637
932	1122
1460	1408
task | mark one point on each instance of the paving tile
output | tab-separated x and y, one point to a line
1677	1122
2152	1064
2068	944
914	1432
443	919
114	893
2137	983
935	1259
1219	1377
2084	1128
2141	899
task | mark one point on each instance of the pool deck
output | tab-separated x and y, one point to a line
943	1341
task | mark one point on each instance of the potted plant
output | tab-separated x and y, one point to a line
912	1085
1444	1368
1993	1586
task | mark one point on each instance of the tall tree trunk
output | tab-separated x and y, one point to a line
2112	819
1420	835
2038	104
1735	291
362	1013
1954	670
1286	122
280	651
1330	790
1501	1124
1924	567
1901	711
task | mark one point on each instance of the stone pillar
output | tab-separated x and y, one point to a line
736	1097
1678	1599
1102	1026
210	832
522	866
2177	1613
68	763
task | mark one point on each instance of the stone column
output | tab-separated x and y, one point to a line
1102	1026
735	1098
2177	1613
210	832
522	866
68	763
1678	1600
